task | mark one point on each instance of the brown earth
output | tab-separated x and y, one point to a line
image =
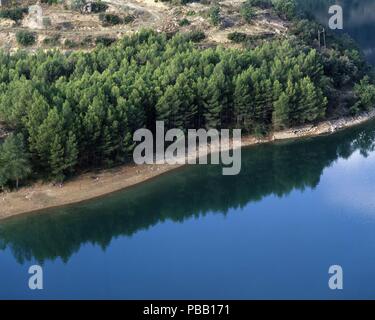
76	27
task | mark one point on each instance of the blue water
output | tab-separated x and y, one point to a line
273	231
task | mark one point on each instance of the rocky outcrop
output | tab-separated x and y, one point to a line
7	23
323	127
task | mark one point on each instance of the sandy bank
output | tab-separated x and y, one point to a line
91	185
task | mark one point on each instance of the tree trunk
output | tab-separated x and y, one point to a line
17	183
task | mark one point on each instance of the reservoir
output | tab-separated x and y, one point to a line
272	232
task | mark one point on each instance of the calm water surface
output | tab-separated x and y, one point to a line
297	208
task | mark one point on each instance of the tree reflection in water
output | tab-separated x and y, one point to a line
271	169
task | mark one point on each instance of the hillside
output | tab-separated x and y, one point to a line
67	27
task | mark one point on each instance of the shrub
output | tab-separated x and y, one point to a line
285	8
195	36
25	38
247	12
214	15
70	44
50	1
77	4
365	92
65	25
237	37
52	41
15	14
105	41
128	19
109	19
184	22
98	7
260	3
87	41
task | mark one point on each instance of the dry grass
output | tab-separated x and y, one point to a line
159	16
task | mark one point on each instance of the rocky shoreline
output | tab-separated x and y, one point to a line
325	127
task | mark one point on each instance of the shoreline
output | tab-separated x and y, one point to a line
93	185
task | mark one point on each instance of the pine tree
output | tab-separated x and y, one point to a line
214	99
276	90
292	93
56	160
312	105
365	91
167	108
107	146
219	97
263	98
200	87
4	162
37	114
71	153
280	116
14	163
214	15
44	136
243	100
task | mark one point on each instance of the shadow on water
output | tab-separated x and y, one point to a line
271	169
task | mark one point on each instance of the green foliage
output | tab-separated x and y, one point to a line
98	7
214	15
105	41
260	3
247	11
25	38
191	13
79	110
14	163
70	44
195	36
128	19
287	167
109	19
50	2
87	41
183	22
341	58
63	156
280	116
365	92
15	14
286	8
52	41
237	37
77	4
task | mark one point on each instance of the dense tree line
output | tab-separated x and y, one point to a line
79	110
